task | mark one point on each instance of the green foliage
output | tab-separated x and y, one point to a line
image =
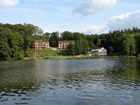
79	47
15	40
66	35
4	48
129	46
123	42
44	37
137	39
11	43
54	38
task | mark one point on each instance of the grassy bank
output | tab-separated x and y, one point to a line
61	57
56	54
50	54
79	57
69	57
42	53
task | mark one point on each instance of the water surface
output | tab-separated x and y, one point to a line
102	81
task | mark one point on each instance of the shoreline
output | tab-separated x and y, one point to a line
69	57
59	57
76	57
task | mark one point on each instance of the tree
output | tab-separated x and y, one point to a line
90	39
79	47
129	45
98	42
4	47
54	38
77	36
16	40
66	35
45	36
137	38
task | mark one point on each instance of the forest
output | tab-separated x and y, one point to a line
17	39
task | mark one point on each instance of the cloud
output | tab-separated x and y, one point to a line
8	3
126	20
96	30
88	7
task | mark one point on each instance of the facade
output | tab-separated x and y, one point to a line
99	52
64	44
41	44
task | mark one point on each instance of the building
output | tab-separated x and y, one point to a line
99	52
39	44
64	44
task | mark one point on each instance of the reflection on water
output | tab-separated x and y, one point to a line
102	81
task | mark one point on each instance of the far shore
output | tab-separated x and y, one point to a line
56	54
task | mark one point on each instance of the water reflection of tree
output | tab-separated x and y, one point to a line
19	82
17	78
127	69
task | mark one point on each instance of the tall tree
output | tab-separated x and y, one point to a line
66	35
54	38
4	47
129	45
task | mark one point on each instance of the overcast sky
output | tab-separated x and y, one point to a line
88	16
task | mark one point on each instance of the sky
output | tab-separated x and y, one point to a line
86	16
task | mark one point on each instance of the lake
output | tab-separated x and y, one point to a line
101	81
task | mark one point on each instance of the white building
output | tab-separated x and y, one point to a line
99	52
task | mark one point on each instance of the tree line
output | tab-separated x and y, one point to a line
120	42
17	39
